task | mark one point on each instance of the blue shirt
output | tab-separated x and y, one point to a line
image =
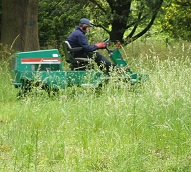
78	39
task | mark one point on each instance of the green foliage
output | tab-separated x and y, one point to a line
177	19
57	18
119	17
0	14
151	4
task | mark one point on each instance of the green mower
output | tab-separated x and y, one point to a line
44	68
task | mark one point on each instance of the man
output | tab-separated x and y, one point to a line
78	39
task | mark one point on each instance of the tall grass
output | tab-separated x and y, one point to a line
142	128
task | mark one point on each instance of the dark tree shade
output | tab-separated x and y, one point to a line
135	17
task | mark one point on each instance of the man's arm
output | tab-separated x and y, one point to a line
84	44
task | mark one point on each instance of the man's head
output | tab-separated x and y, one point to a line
85	21
85	24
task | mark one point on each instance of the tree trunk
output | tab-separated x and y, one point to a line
117	31
120	11
20	24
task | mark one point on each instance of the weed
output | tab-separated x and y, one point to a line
124	128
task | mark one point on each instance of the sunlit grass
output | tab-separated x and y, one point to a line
142	128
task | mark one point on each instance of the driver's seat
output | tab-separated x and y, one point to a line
78	63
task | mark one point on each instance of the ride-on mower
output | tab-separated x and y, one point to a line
44	68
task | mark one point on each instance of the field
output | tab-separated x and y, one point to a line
141	128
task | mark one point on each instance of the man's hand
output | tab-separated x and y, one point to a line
101	45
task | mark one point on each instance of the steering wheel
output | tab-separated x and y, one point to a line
106	40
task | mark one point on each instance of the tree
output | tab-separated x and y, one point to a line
123	20
125	16
57	18
177	19
19	28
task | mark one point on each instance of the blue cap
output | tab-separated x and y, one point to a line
85	21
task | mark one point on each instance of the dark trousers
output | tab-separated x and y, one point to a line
103	63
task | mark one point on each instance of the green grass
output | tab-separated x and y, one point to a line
146	128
